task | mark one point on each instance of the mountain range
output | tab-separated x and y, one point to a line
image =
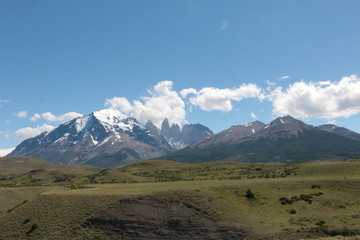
106	138
285	140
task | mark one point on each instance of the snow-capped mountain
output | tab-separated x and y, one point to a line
105	138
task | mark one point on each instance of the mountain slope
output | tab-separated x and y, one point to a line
283	140
105	138
16	165
340	131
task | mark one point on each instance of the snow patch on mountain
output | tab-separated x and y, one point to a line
81	123
109	116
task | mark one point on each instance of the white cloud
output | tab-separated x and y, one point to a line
21	114
284	77
28	132
187	91
326	100
4	152
35	117
324	83
3	101
162	102
224	25
253	115
119	103
210	98
48	116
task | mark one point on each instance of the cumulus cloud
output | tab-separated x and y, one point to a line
326	100
210	98
4	152
21	114
162	102
187	91
224	25
35	117
48	116
28	132
119	103
253	115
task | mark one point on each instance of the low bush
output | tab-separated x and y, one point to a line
249	194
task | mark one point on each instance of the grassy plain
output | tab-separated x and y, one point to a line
304	201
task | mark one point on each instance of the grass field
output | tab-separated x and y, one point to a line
29	171
306	201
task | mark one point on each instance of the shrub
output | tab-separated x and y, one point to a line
292	211
249	194
320	223
26	221
33	228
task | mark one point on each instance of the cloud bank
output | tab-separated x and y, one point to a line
324	99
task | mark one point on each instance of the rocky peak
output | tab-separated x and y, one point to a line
187	135
152	127
284	127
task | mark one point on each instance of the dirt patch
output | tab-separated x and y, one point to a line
154	219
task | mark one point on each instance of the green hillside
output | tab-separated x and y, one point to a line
30	171
16	165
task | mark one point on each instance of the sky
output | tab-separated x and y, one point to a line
218	63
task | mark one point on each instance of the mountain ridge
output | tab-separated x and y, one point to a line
285	140
109	138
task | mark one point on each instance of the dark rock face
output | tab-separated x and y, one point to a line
165	129
175	132
105	138
170	133
153	219
189	133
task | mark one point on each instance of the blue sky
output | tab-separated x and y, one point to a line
220	63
